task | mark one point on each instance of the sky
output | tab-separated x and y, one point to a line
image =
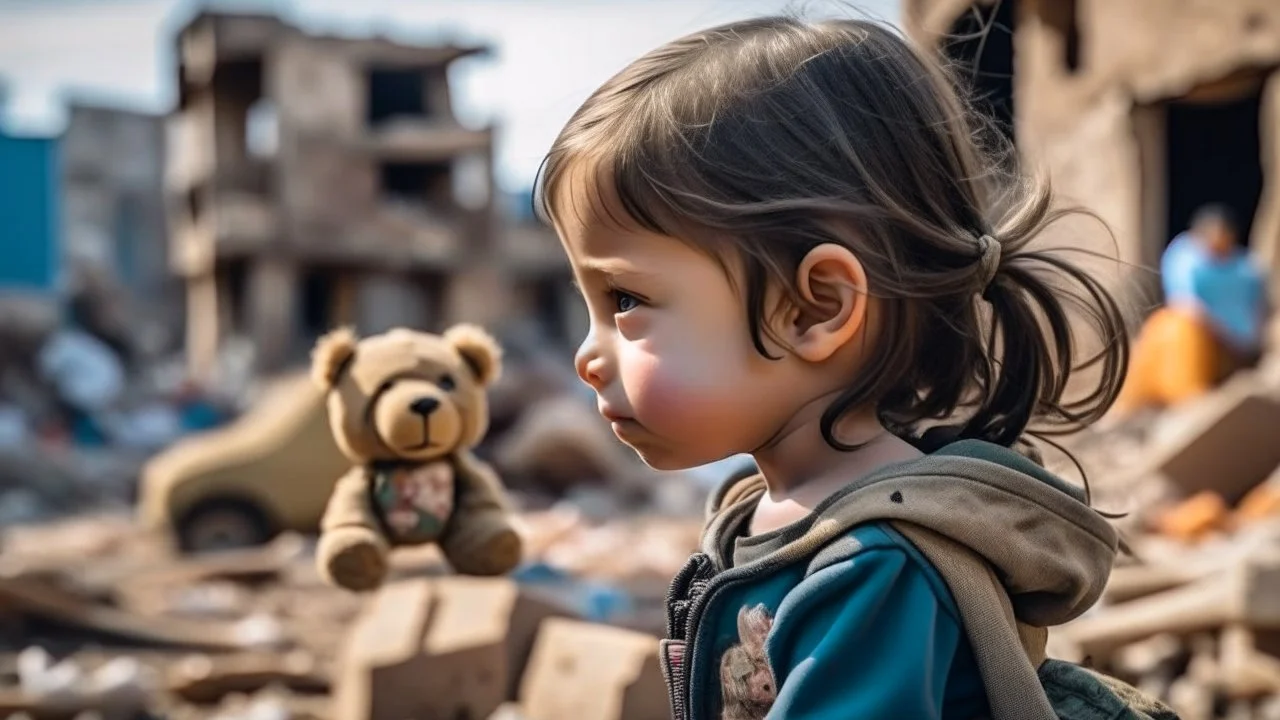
548	54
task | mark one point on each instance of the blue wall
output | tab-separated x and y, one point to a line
29	212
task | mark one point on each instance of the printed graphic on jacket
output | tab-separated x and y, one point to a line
746	681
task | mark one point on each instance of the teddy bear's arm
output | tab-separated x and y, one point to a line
481	539
352	552
349	503
481	486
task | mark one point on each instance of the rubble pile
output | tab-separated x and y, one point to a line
98	619
102	618
1192	613
85	398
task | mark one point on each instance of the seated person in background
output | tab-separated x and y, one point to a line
1212	322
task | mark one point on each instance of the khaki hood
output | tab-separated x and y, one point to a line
1051	552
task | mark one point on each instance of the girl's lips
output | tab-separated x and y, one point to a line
612	415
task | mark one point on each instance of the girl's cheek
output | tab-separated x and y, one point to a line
645	379
670	391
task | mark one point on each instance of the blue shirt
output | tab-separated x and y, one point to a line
1231	291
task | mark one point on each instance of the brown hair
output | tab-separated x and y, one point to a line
762	139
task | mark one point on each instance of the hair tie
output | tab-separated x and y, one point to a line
989	262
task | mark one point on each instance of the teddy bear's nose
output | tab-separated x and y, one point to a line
424	406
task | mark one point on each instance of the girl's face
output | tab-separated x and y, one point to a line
669	351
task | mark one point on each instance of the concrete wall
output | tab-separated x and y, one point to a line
1099	126
112	182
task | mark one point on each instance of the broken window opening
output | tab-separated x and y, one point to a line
235	285
396	93
551	308
1063	18
317	294
981	48
128	238
262	131
471	181
1071	39
195	205
237	87
1214	152
428	186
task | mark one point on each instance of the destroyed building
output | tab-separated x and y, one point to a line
114	232
318	180
539	275
1141	110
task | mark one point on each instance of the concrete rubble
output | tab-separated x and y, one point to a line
99	617
1192	614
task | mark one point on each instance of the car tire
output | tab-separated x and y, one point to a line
215	525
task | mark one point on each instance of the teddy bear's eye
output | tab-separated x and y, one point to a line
446	383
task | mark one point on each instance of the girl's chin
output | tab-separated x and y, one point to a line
652	452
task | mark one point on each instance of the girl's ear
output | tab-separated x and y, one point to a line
832	285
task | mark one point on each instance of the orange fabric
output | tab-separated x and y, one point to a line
1194	517
1261	503
1176	357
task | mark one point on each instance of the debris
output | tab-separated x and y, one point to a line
451	647
1227	444
205	679
1194	517
119	689
25	595
1247	593
270	708
1260	503
620	666
559	444
254	564
86	371
253	633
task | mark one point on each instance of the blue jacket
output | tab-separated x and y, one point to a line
776	627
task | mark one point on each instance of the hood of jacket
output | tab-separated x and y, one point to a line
1049	549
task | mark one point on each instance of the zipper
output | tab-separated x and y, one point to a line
687	598
690	592
692	579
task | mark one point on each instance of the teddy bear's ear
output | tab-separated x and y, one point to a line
331	355
478	349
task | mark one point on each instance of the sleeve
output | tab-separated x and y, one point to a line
866	638
1177	270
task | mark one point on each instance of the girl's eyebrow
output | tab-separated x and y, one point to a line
613	267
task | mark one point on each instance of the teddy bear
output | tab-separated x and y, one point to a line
407	407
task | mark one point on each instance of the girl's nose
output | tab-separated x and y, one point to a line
590	363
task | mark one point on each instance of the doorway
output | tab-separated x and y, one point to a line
981	46
1213	146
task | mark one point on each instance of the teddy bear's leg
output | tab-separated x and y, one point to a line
352	552
487	545
481	539
354	558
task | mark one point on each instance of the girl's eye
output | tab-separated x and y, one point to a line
446	383
625	302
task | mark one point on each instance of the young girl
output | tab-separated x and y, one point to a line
791	246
